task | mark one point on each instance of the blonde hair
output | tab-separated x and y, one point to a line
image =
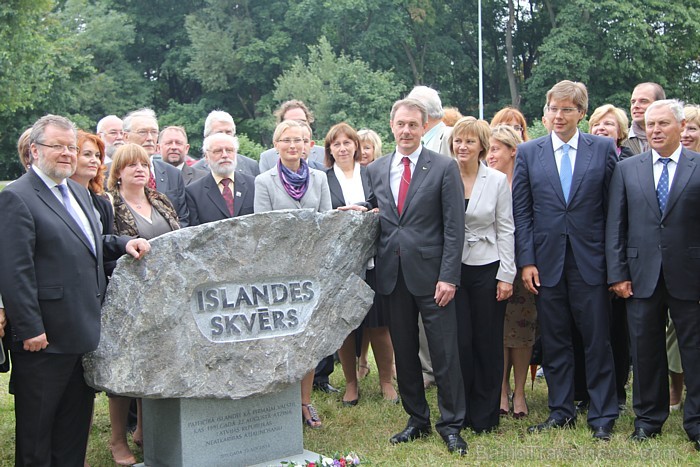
370	136
469	126
566	89
617	113
507	135
284	126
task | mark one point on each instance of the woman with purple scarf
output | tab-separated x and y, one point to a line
292	184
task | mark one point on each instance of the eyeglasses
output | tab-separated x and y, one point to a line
220	151
60	147
563	110
143	133
517	127
289	141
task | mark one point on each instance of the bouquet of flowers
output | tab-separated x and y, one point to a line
336	461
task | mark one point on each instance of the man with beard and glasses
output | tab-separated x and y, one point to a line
52	283
224	192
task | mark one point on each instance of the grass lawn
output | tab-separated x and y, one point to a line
366	428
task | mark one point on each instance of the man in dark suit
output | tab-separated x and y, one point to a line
141	127
421	207
560	188
173	148
52	284
218	195
653	259
219	121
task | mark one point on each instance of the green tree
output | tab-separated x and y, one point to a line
339	88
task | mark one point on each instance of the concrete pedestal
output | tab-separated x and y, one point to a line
216	432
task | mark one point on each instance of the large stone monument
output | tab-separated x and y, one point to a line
218	324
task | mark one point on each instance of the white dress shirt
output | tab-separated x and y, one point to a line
558	152
397	170
659	167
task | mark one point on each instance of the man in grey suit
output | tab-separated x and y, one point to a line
141	127
420	197
219	121
436	138
293	110
52	283
173	148
223	193
653	260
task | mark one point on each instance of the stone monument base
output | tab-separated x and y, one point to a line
219	432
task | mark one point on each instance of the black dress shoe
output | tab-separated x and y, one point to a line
551	423
351	403
581	406
409	434
455	443
696	442
640	434
603	433
325	387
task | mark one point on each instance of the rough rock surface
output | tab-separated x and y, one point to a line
179	323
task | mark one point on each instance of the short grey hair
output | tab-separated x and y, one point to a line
103	120
410	103
207	141
674	105
217	116
429	97
126	123
39	127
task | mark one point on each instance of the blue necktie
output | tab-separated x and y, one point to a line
662	187
565	171
69	207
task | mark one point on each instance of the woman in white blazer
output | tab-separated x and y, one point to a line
292	184
488	271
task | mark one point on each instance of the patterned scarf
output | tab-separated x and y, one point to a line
295	183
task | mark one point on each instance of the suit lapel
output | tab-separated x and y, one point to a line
365	181
387	182
45	194
477	189
645	175
240	188
419	174
584	153
684	170
216	197
334	187
160	176
88	209
549	165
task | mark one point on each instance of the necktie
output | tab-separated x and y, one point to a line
227	194
151	181
662	187
69	207
405	182
565	171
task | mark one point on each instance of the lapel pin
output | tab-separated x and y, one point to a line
425	168
238	194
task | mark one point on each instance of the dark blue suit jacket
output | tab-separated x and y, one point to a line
544	220
169	181
51	281
640	241
206	204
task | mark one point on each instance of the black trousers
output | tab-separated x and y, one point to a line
441	330
647	325
480	323
53	407
573	302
